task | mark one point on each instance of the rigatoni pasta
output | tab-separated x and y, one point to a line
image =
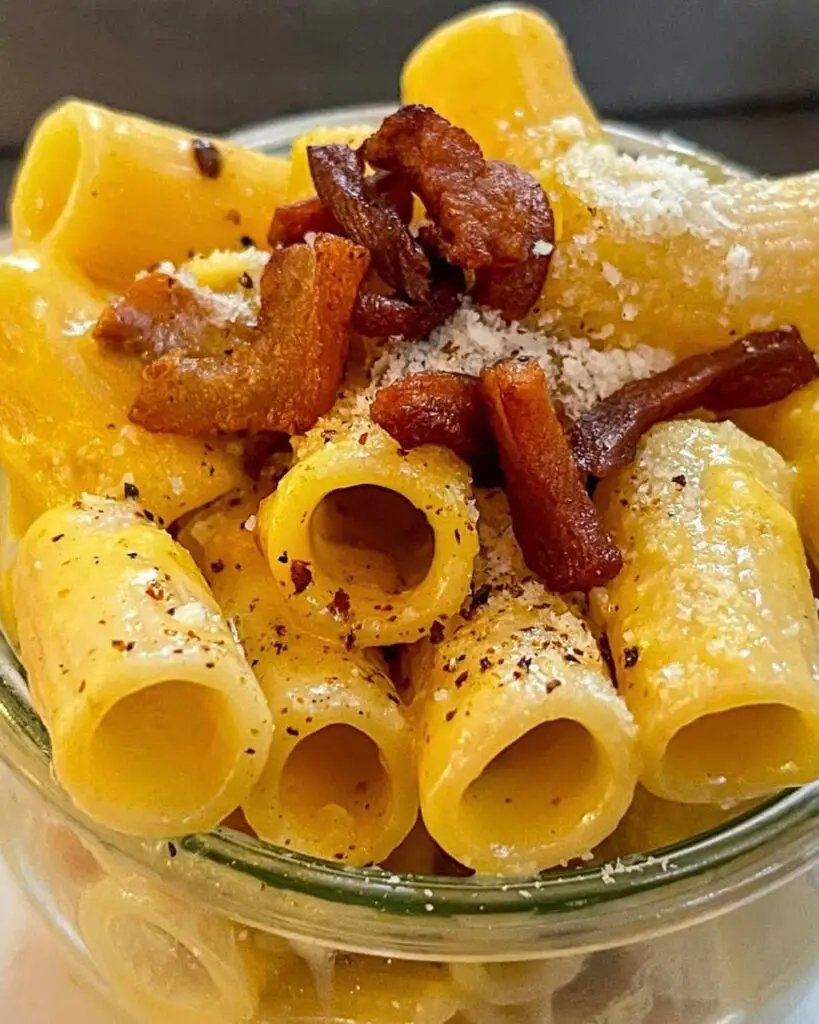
526	756
712	622
157	724
336	781
113	193
369	543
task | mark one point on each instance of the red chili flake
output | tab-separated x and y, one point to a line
340	605
436	632
436	407
155	591
207	157
760	368
553	518
301	575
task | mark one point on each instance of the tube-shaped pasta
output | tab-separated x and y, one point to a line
526	755
165	959
115	193
652	823
654	249
157	724
505	75
792	428
370	544
337	781
712	622
64	426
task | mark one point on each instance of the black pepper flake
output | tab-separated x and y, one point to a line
552	685
217	566
485	664
451	714
250	751
291	731
436	632
282	558
301	576
81	688
172	850
245	280
210	664
479	598
462	678
247	242
233	217
608	658
349	641
56	537
524	663
281	630
679	480
123	645
130	491
631	655
132	554
340	605
148	515
394	698
457	536
208	158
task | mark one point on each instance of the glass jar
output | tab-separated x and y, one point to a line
219	929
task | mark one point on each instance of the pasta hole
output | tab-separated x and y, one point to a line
753	748
335	788
538	788
371	537
52	169
169	747
166	970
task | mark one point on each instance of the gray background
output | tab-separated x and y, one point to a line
740	76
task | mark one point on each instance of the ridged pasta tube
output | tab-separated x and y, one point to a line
338	781
526	755
115	193
368	543
157	724
165	959
712	622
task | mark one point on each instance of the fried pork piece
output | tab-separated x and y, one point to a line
288	374
382	316
291	223
487	215
158	314
369	218
761	368
554	520
436	407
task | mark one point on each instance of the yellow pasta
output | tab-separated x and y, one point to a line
300	183
792	428
337	782
712	621
369	544
504	74
652	823
513	991
526	755
166	959
653	251
157	724
115	193
64	426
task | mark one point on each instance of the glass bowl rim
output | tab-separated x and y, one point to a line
758	849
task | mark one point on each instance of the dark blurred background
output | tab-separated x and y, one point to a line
739	76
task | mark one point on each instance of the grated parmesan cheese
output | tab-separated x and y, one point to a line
580	374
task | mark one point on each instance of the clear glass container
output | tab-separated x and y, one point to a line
221	928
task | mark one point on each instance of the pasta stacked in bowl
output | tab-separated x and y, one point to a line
435	501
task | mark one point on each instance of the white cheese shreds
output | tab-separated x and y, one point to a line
579	373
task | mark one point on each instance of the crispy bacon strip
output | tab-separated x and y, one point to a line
487	215
436	407
289	375
555	522
292	222
761	368
369	218
382	316
159	314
